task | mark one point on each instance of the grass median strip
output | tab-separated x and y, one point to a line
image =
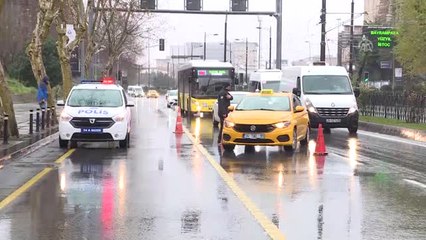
269	227
393	122
30	183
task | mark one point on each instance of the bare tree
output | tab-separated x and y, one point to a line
69	12
47	13
6	98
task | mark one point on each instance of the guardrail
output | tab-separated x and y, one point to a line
407	107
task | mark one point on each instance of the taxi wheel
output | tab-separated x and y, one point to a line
305	141
63	143
229	147
293	146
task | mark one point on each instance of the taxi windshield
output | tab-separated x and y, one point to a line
237	97
95	98
268	103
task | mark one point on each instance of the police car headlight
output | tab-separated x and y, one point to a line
120	117
353	109
65	117
282	124
229	124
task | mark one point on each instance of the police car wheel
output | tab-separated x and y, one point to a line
63	143
124	143
73	144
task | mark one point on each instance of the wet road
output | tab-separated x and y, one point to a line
160	188
368	187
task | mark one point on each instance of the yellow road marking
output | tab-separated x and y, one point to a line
24	188
18	192
65	156
270	228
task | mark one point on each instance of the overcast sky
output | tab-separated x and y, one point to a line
300	25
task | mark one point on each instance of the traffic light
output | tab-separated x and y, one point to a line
161	44
239	5
148	4
193	5
366	76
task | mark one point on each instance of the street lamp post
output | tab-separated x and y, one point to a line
246	78
205	44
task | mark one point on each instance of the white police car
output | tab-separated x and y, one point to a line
95	112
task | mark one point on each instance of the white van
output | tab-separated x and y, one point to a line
327	93
265	79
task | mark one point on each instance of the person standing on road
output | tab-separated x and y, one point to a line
42	93
223	101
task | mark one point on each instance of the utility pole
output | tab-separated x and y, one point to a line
226	36
323	31
279	17
260	43
270	47
246	78
351	42
205	45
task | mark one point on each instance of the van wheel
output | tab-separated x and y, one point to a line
305	141
125	143
293	146
63	143
353	129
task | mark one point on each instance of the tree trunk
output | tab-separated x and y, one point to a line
6	99
109	66
64	60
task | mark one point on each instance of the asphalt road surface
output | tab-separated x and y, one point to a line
167	186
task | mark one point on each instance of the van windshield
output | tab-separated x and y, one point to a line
326	84
274	85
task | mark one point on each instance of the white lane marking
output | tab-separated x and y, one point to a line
392	138
419	184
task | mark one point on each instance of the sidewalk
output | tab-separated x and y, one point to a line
412	134
26	142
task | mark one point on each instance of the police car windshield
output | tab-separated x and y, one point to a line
95	98
267	103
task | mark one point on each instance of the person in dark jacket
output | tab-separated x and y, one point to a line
223	101
42	94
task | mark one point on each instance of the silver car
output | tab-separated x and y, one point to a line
238	95
171	98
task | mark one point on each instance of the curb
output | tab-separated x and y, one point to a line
412	134
30	148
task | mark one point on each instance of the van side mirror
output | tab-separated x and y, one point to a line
357	92
296	92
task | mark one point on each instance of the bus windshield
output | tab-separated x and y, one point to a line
326	84
208	87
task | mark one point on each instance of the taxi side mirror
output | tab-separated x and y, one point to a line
299	109
60	103
231	108
357	92
130	104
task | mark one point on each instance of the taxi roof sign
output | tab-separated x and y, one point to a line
267	91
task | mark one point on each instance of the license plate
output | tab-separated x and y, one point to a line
333	120
254	136
91	130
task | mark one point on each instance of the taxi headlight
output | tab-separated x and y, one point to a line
120	117
282	124
229	124
353	109
65	117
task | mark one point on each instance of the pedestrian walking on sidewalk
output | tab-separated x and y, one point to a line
223	102
42	94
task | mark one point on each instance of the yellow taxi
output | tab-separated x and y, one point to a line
267	119
152	94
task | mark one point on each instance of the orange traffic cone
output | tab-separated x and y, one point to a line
320	161
179	128
320	147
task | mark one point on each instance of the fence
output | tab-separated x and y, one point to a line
407	107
